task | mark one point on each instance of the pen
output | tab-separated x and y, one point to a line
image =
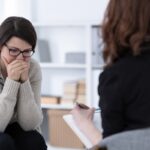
83	106
97	110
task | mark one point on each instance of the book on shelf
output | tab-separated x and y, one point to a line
81	83
81	87
67	101
47	99
69	91
43	50
75	57
74	91
81	92
81	99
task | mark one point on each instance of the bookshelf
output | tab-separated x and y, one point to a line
66	37
55	106
70	38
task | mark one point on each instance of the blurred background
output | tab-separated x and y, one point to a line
69	50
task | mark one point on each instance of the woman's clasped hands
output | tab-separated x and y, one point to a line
17	70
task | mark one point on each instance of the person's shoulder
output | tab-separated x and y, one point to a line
128	63
112	71
131	61
124	66
35	69
122	63
34	64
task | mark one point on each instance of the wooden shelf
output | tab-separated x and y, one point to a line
57	106
98	66
62	66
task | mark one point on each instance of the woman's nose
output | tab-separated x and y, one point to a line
20	56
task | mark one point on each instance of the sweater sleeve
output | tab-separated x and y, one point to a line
8	98
111	102
29	108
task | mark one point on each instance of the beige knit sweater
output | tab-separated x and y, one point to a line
21	101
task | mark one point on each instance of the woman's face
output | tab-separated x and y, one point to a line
15	43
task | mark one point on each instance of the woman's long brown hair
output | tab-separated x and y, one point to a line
125	28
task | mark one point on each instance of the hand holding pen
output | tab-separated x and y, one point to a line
83	115
82	112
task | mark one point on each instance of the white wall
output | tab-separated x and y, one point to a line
16	8
55	10
77	10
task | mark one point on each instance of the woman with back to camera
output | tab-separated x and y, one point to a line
20	85
124	84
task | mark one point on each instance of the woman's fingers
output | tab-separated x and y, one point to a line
81	105
5	61
16	68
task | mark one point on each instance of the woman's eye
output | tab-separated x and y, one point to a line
14	50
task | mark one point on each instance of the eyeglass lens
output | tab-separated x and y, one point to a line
15	51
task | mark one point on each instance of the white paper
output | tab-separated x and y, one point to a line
70	121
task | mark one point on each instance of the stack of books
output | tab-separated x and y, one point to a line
69	92
81	96
47	99
74	91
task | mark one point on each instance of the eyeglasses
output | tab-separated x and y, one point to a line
16	51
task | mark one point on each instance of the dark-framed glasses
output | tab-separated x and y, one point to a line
13	51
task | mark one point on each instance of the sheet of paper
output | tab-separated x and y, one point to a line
70	121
